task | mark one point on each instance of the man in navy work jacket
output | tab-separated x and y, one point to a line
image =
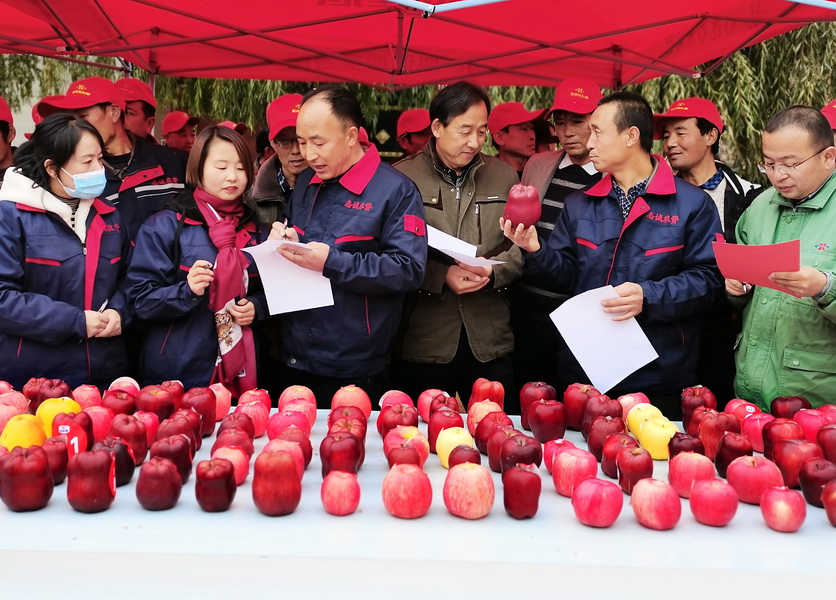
363	223
646	233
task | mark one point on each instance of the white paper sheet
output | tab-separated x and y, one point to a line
458	249
289	287
607	350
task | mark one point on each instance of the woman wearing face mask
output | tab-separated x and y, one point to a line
62	259
198	292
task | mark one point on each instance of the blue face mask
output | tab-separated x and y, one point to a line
87	185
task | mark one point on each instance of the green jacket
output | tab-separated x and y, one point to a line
788	344
432	323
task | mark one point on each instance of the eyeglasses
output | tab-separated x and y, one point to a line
784	169
286	144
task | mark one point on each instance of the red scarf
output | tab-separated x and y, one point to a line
236	366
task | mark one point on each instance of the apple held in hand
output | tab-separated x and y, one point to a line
597	503
521	487
407	492
340	493
686	468
277	487
215	484
783	509
713	502
751	475
575	398
469	491
656	504
531	392
91	485
523	206
25	479
159	484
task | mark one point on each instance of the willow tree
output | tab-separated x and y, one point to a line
747	88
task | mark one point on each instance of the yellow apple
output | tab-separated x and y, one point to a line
450	438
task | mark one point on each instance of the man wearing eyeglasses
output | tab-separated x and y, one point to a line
277	175
788	345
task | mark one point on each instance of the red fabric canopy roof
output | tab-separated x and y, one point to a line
378	42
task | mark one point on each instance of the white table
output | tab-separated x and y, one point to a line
128	552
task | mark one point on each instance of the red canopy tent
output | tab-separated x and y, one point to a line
385	43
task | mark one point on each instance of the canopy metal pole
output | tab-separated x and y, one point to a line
430	9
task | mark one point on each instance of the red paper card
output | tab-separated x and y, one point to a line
753	264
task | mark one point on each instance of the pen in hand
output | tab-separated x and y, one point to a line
284	235
104	305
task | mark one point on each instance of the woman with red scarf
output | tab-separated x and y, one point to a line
190	282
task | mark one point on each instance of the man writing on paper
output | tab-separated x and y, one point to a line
644	232
788	345
363	223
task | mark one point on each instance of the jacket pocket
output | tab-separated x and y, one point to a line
488	209
354	231
43	261
803	359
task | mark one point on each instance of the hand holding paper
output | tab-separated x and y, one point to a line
754	264
461	251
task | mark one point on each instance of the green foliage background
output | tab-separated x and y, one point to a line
748	88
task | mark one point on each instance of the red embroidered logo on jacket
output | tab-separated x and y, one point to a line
367	206
111	227
672	219
164	181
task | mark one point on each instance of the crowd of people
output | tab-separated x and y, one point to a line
120	255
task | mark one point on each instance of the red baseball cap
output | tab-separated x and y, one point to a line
282	112
578	95
176	120
689	107
413	121
829	112
134	89
83	94
511	113
6	112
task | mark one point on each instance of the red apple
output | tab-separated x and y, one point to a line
340	493
124	464
741	408
15	399
523	206
520	449
5	386
159	485
439	420
829	411
297	436
443	401
407	491
215	485
600	430
751	475
91	484
469	491
86	395
552	448
294	392
684	442
783	509
263	396
351	395
195	420
83	437
813	476
51	388
346	412
236	438
731	446
256	411
292	448
752	428
127	384
356	427
202	400
404	454
119	401
462	454
132	431
485	389
30	390
609	452
175	386
712	428
239	459
521	486
633	465
596	502
25	479
575	398
178	449
686	468
784	407
790	454
425	398
236	420
340	452
56	452
826	439
6	413
599	406
779	429
151	422
178	426
479	411
570	467
811	420
695	396
531	392
156	399
495	441
394	397
392	415
547	419
280	421
486	427
828	498
223	400
277	487
656	504
713	502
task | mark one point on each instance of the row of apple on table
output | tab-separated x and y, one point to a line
98	440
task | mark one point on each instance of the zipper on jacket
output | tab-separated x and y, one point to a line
478	226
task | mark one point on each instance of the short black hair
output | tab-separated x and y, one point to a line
343	103
705	126
493	140
455	100
5	128
55	139
147	110
632	110
262	141
804	117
